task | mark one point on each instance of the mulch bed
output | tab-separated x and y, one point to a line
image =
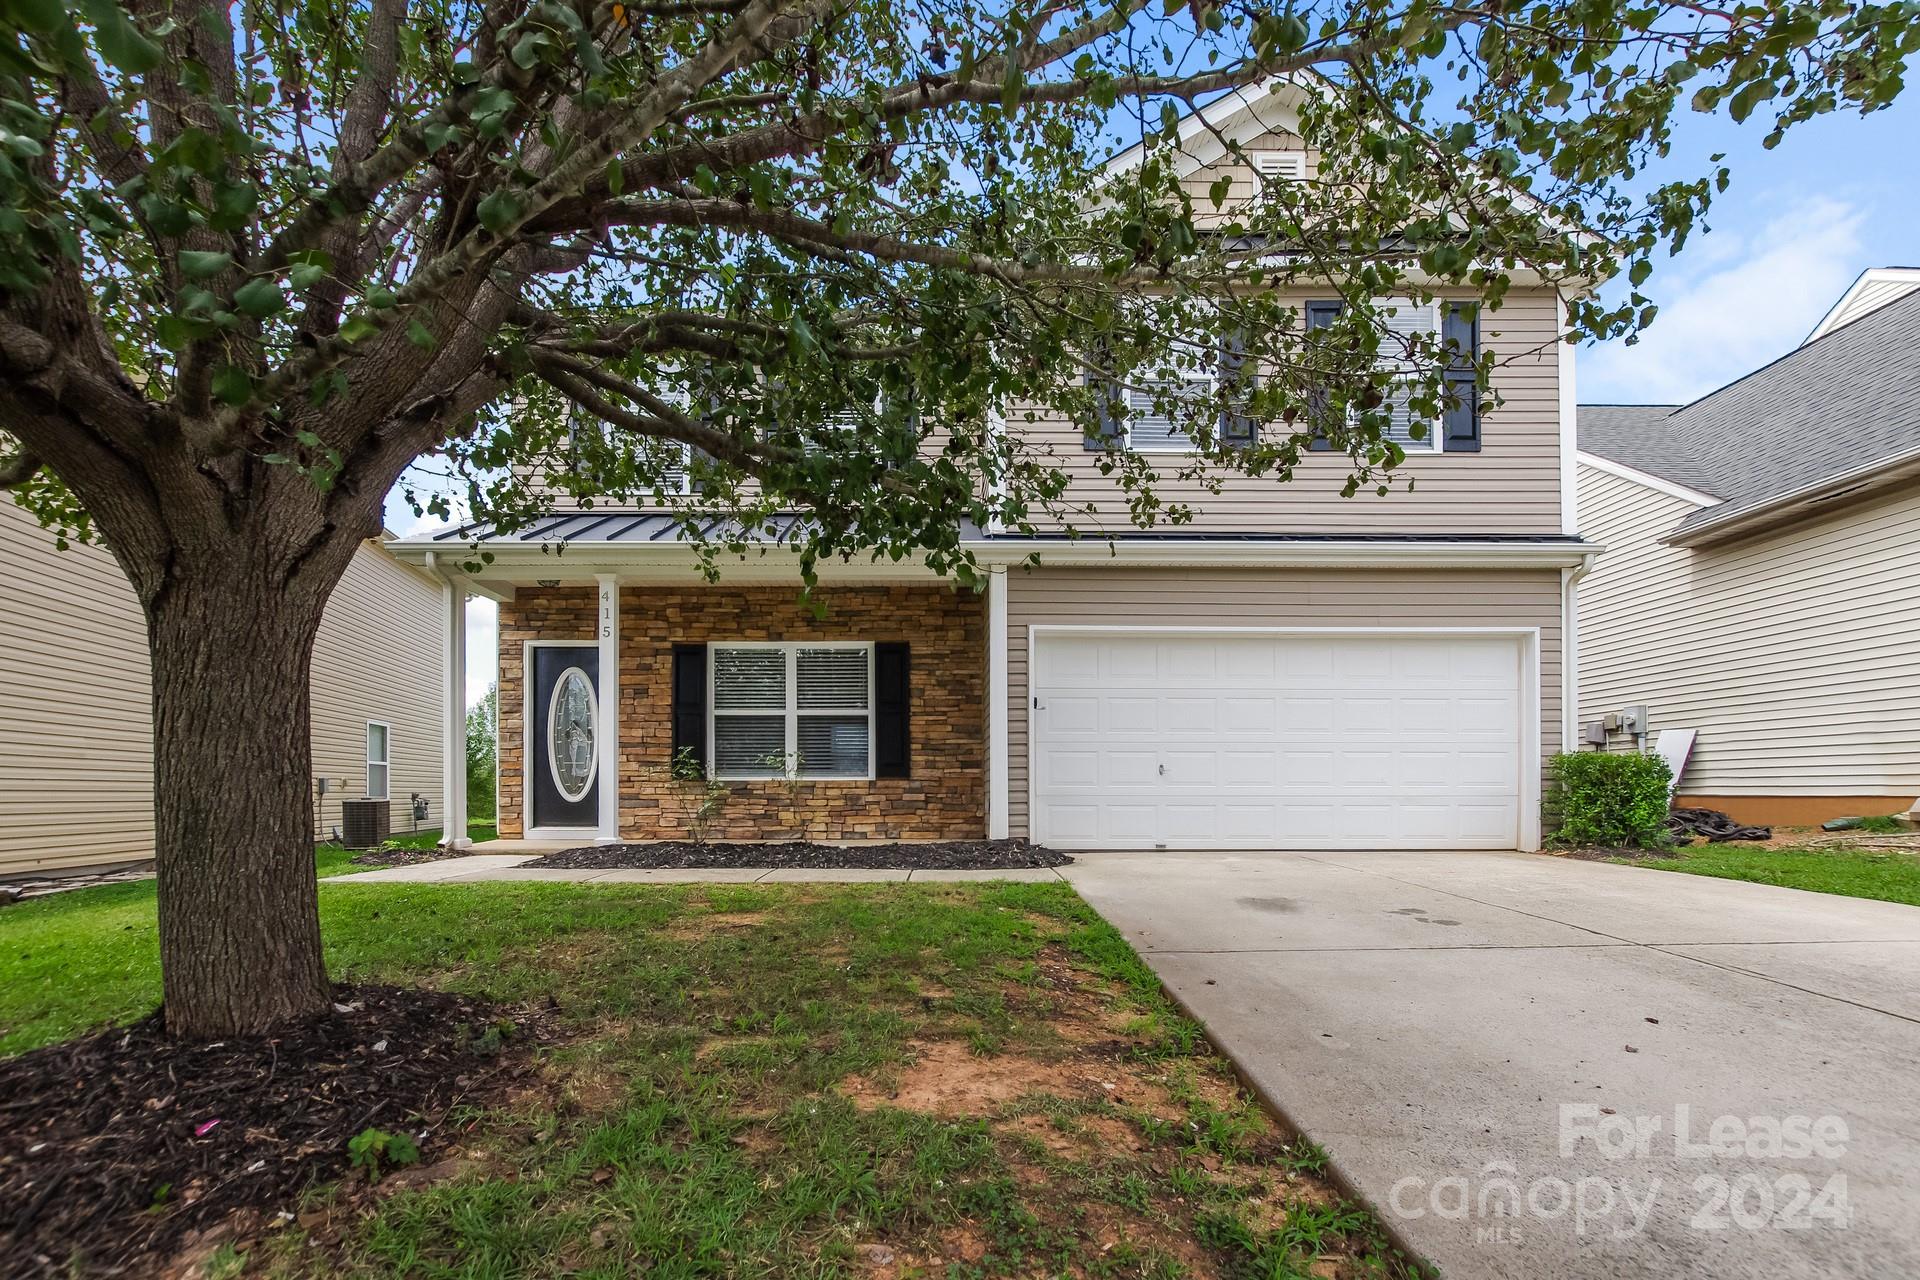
945	855
117	1147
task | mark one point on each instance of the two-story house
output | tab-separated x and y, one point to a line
1760	587
1294	669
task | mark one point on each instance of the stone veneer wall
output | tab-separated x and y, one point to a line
945	799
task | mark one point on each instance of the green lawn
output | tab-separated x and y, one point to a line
1856	873
333	860
901	1080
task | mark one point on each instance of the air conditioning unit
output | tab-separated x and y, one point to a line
365	823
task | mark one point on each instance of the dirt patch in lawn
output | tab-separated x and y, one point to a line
119	1147
946	1078
1603	853
946	855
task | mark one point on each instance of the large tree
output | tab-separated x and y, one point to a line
259	257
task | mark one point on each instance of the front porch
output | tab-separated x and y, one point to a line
608	690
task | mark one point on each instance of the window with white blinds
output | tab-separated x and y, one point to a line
1402	319
1154	422
804	710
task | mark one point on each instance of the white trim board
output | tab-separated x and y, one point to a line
1531	753
1647	479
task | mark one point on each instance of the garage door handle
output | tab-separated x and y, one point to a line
1163	770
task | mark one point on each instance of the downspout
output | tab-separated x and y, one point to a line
1570	652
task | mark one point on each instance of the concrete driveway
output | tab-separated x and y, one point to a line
1655	1074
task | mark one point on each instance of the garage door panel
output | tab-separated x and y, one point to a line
1251	715
1189	715
1130	715
1067	715
1390	741
1240	768
1187	666
1131	768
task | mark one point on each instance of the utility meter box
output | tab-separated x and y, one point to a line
1633	720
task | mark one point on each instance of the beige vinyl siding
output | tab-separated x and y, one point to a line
76	736
1511	486
1212	597
1794	655
379	656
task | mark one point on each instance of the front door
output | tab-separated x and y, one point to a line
562	765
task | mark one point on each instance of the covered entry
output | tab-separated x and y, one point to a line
1282	739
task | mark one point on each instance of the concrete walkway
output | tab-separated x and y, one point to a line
479	867
1663	1075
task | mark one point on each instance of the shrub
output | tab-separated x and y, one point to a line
1597	798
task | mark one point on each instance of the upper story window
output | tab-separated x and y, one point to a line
1154	422
1403	320
802	710
586	434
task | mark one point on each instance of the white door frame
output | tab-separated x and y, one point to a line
582	834
1528	638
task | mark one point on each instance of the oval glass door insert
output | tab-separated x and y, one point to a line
571	725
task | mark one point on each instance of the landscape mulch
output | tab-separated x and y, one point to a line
117	1147
945	855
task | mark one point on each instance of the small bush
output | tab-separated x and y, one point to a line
1616	801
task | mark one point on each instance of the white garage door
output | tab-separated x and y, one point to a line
1288	741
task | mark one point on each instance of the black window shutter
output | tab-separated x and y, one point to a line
892	698
690	704
1320	314
1460	330
1236	427
1111	418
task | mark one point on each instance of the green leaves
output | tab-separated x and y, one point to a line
232	385
260	298
119	41
196	264
499	210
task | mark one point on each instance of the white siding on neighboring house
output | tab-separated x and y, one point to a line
76	722
378	657
76	753
1795	655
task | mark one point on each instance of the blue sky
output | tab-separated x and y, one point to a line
1839	195
1797	225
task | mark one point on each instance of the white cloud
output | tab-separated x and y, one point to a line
1735	307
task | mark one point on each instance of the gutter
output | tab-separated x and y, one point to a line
1873	476
583	557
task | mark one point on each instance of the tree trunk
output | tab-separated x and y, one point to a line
231	637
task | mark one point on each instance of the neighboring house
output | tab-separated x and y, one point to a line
76	720
1761	580
1294	669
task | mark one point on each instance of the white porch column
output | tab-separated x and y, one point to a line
997	819
607	741
453	738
